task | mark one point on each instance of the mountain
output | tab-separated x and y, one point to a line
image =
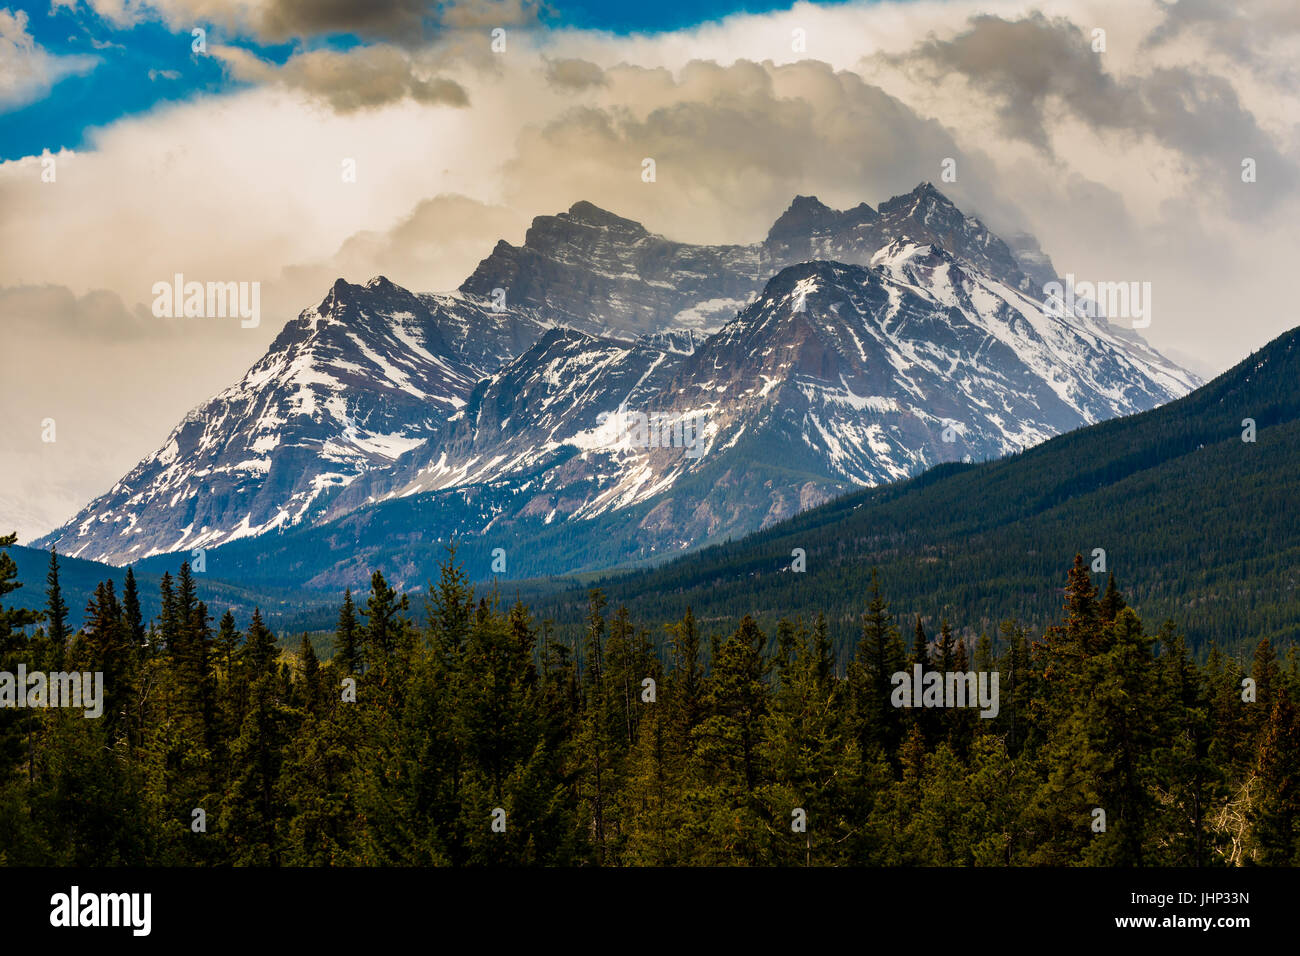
1196	524
869	374
535	394
835	377
369	374
596	271
533	423
811	230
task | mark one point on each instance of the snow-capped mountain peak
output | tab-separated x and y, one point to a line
600	371
349	385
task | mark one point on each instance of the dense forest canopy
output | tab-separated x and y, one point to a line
465	732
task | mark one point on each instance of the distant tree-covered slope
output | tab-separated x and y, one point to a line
80	578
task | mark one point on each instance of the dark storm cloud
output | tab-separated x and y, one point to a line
363	78
574	74
1036	67
397	20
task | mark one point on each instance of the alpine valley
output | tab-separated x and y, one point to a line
848	349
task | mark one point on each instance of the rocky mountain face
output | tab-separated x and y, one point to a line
532	423
624	396
480	333
350	385
598	272
835	377
595	271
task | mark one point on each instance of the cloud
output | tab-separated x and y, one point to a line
732	146
55	309
1039	70
1244	30
574	74
434	248
277	21
1029	65
361	78
28	71
114	381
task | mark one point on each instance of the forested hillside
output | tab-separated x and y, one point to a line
464	733
1198	523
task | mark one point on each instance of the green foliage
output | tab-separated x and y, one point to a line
480	738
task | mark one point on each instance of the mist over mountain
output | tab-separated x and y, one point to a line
848	349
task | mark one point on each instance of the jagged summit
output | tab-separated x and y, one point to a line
836	352
337	292
805	214
924	200
589	214
809	216
595	270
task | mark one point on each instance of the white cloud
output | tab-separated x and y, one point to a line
27	70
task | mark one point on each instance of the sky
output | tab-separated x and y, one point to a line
1117	132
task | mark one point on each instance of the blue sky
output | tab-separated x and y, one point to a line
147	65
626	17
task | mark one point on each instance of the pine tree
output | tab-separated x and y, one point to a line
736	828
387	629
920	647
260	650
878	726
15	725
1112	602
1083	620
168	623
103	647
194	669
449	608
594	738
687	673
1275	819
56	615
1264	669
1182	766
227	645
312	688
960	721
184	603
347	637
1017	685
821	649
1121	718
809	764
945	648
627	658
251	811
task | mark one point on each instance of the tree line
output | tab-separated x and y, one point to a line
466	733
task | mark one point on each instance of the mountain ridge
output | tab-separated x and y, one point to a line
363	398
